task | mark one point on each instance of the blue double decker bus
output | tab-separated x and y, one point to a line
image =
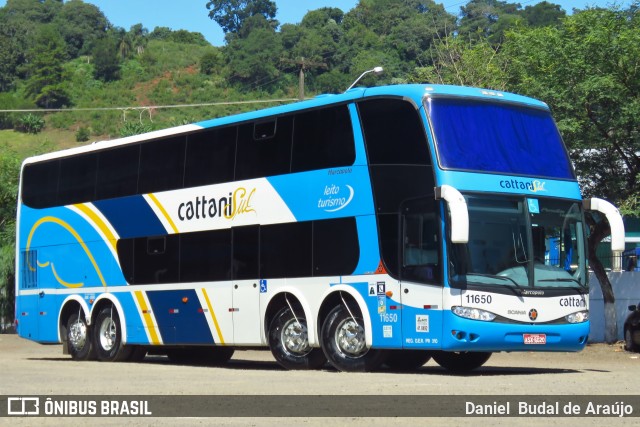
382	226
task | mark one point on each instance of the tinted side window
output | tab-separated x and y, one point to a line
420	241
40	184
77	179
285	250
323	139
118	172
393	133
388	230
336	249
264	148
205	256
150	260
246	252
161	165
211	157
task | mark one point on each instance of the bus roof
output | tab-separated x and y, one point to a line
415	92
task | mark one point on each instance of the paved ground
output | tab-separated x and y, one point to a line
27	368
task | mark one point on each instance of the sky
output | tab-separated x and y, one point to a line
192	15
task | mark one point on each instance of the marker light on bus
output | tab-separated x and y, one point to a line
579	317
473	313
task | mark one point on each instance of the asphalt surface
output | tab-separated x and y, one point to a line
602	371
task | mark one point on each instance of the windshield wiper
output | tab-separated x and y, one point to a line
562	279
495	277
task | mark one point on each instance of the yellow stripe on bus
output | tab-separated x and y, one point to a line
148	320
100	223
213	315
74	233
164	212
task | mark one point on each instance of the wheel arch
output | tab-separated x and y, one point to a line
105	300
279	301
335	296
69	306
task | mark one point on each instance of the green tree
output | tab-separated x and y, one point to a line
106	60
81	25
45	69
588	71
488	19
232	14
543	14
9	173
253	58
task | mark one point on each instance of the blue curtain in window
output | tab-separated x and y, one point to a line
508	139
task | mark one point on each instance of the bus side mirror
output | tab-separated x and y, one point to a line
458	211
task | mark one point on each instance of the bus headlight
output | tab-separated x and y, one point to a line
473	313
579	317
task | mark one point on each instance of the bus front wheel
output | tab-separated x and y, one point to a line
107	336
289	342
343	342
79	338
460	361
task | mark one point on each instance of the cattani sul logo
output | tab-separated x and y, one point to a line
204	207
533	186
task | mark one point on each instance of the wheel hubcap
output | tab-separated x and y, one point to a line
350	338
108	334
78	335
295	338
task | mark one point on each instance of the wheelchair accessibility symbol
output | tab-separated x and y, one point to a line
263	286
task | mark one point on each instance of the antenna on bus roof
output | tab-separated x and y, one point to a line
376	70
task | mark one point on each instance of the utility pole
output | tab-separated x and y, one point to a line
304	64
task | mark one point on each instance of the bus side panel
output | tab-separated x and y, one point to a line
381	294
27	314
421	316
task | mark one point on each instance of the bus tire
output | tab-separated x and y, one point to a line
107	337
289	342
78	337
629	345
343	342
407	360
461	361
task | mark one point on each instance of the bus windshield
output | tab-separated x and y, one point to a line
504	138
521	242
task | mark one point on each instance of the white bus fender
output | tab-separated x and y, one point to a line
309	315
114	300
366	318
83	304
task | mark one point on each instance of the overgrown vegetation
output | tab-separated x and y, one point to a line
586	66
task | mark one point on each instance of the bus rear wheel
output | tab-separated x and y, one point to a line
343	342
289	342
107	336
461	361
79	338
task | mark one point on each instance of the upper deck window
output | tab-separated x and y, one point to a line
497	138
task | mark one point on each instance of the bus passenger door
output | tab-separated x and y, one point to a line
421	282
245	286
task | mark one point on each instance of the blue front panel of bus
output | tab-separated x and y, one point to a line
468	181
461	334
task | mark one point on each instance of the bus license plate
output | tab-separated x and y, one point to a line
535	338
